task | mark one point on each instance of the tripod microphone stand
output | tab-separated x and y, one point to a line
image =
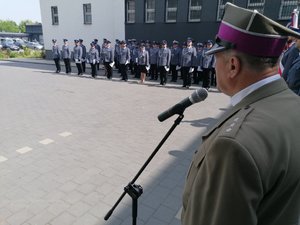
134	190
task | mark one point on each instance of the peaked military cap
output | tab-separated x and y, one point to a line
80	40
54	40
175	42
250	32
76	41
164	42
64	40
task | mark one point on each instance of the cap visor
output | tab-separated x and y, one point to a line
215	49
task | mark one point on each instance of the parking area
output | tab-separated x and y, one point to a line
70	144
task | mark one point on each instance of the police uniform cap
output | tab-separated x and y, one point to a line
80	40
54	40
199	44
64	40
164	42
76	40
189	39
96	40
175	42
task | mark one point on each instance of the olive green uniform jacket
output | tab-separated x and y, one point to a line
247	170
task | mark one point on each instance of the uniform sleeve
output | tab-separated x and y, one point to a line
224	188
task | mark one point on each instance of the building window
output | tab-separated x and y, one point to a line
286	9
257	5
130	11
194	11
54	13
171	11
87	13
221	6
150	11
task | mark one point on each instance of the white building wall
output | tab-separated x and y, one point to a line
108	21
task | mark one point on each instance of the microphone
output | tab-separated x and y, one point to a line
197	96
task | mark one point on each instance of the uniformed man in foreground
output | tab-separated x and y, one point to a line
247	171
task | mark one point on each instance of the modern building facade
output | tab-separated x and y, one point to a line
199	19
35	32
85	19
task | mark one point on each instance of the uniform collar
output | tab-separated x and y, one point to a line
270	88
243	93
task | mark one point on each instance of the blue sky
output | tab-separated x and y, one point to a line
18	10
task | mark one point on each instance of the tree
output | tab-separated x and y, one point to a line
8	26
22	25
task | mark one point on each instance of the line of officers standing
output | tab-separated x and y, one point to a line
152	59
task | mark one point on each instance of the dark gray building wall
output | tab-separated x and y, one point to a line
206	29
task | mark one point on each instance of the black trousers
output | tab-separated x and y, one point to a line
79	68
57	64
83	65
67	65
186	76
153	72
123	70
108	70
206	77
163	75
174	73
94	69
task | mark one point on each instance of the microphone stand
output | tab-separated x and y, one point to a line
134	190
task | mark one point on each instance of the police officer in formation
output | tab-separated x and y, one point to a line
198	71
143	62
83	55
77	56
208	63
93	58
97	46
107	56
66	55
175	60
188	58
153	56
116	54
123	59
163	62
56	55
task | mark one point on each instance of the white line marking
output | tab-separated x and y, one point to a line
2	159
24	150
46	141
65	134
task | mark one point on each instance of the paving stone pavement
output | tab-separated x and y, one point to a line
69	144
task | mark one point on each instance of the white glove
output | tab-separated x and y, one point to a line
178	67
167	68
112	64
191	70
148	67
127	62
199	68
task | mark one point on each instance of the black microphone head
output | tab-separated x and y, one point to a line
198	95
